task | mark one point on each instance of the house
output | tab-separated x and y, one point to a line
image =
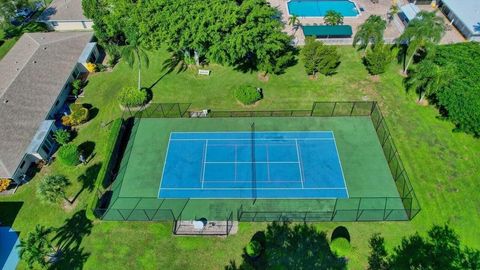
65	15
36	76
464	15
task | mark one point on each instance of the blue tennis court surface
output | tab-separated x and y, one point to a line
252	165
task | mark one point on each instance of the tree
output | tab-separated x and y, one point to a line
52	188
287	246
61	136
333	17
36	249
378	58
394	10
441	249
294	22
378	253
135	52
427	78
318	57
371	31
459	99
424	31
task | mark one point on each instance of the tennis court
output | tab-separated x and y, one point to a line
292	164
299	168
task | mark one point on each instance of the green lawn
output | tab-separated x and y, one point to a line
442	164
6	45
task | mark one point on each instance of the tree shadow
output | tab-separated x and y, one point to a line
92	111
87	148
88	179
9	212
68	239
298	246
340	232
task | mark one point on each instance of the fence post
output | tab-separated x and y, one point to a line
358	208
333	110
353	107
313	108
385	208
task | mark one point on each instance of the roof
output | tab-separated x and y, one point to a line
33	74
327	30
410	11
468	11
64	10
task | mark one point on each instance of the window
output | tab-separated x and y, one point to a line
23	164
46	148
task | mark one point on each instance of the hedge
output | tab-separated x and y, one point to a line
132	97
110	145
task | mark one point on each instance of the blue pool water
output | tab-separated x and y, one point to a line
244	165
8	253
318	8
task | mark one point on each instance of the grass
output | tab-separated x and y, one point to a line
441	164
6	45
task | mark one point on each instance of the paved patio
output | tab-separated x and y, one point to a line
394	29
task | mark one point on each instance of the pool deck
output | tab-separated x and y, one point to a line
394	29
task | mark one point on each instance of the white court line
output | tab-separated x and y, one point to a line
165	163
245	181
205	161
268	164
235	163
248	132
299	165
259	139
202	169
339	162
249	162
249	188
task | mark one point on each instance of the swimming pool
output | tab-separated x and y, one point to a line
318	8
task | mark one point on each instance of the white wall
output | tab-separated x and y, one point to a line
70	25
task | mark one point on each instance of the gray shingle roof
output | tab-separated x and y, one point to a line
64	10
33	74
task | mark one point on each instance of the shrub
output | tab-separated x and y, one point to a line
253	249
77	116
61	136
378	58
76	86
4	183
101	67
52	188
68	154
340	246
247	94
91	67
132	97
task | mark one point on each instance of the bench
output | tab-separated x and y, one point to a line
204	72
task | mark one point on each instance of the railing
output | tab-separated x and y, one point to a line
349	209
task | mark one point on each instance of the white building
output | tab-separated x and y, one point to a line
65	15
465	16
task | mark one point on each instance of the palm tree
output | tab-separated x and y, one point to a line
52	188
425	30
294	22
135	52
394	10
37	249
428	78
333	17
371	31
